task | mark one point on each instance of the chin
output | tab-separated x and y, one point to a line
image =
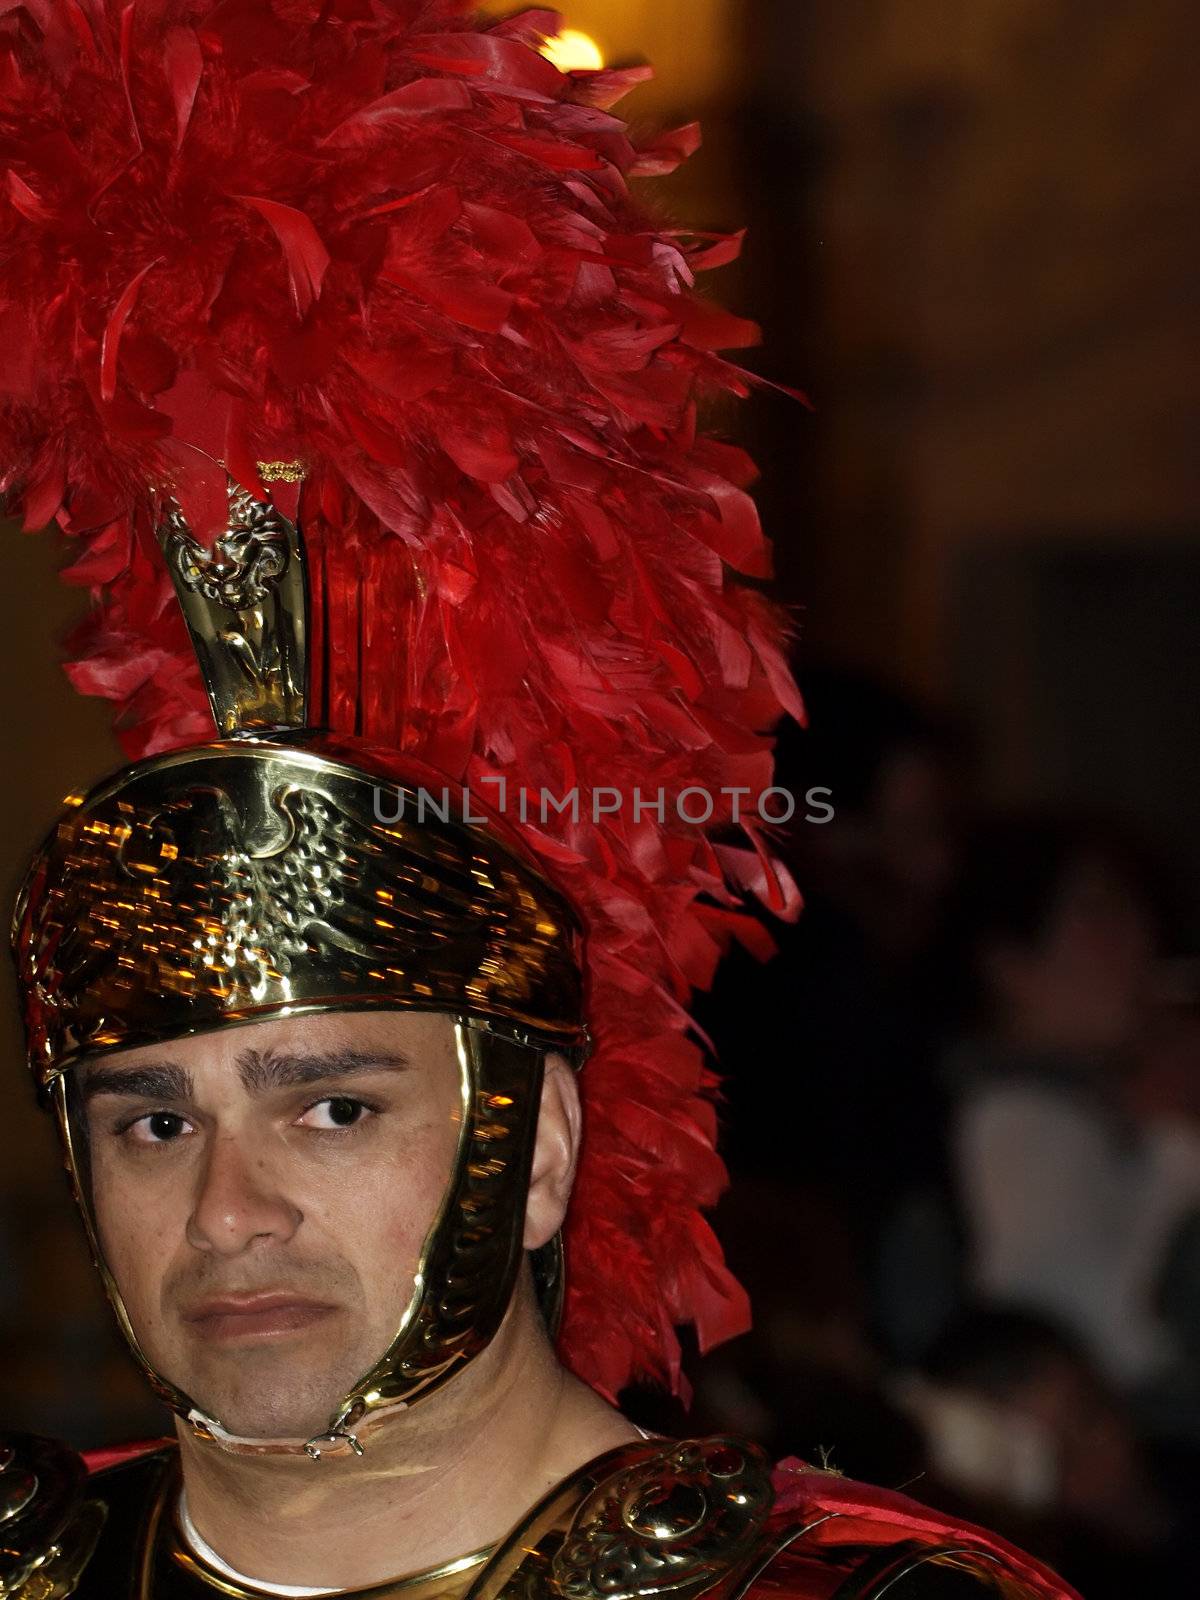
266	1422
272	1399
289	1413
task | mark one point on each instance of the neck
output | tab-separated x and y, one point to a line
449	1477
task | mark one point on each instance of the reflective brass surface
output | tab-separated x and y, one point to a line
653	1518
243	880
18	1484
59	1574
670	1525
244	601
49	1529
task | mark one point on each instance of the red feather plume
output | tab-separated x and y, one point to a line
382	238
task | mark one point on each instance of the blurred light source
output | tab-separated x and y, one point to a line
574	51
694	45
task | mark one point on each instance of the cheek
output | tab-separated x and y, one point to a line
389	1207
138	1237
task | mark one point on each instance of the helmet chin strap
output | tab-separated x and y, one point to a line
339	1440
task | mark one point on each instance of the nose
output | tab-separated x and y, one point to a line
239	1201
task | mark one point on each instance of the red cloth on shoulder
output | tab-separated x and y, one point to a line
842	1512
112	1455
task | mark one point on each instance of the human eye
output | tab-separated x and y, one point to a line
156	1128
335	1113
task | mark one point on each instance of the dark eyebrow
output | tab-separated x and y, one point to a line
156	1081
259	1070
263	1070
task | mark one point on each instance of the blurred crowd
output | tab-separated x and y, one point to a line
963	1118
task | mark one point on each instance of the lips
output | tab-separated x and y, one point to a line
267	1314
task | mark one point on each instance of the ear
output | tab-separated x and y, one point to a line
555	1154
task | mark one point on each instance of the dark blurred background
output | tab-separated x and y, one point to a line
963	1105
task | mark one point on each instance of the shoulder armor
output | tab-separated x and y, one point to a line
648	1519
65	1532
48	1527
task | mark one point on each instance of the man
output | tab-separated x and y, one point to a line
316	1004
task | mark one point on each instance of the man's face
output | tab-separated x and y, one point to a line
262	1194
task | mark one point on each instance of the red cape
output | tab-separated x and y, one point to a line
838	1512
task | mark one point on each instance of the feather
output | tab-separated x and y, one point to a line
115	327
491	357
183	62
303	249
